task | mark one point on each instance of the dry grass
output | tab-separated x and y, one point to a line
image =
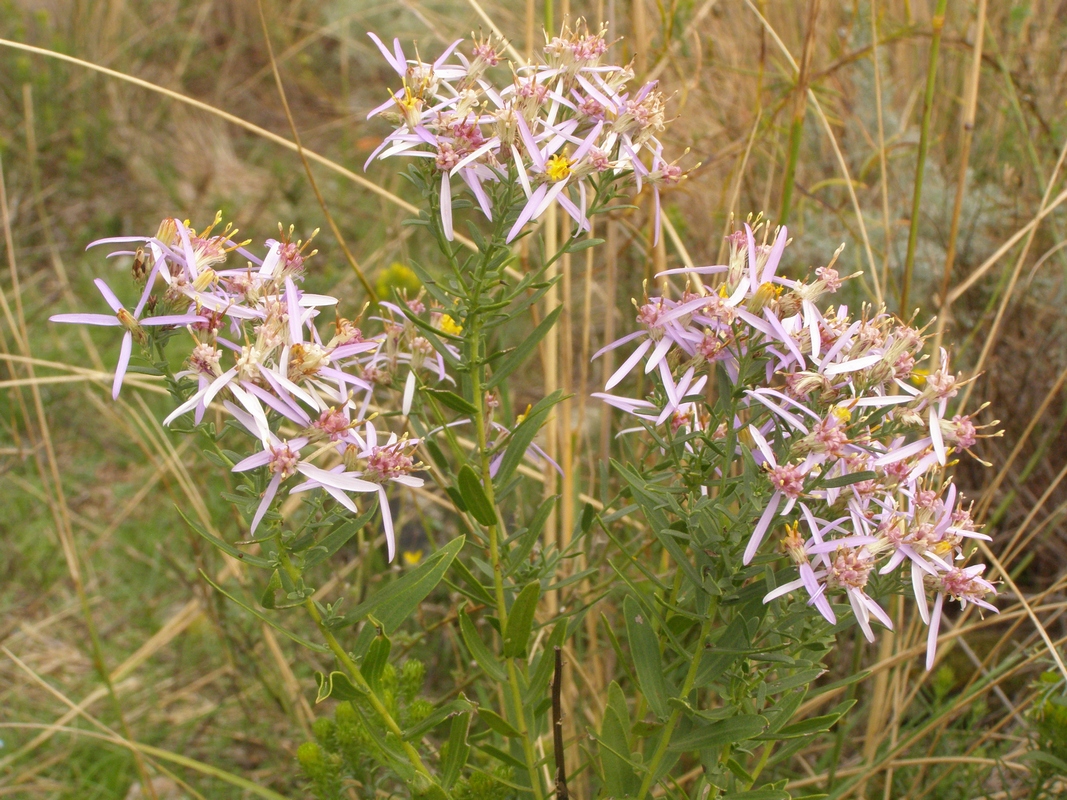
91	540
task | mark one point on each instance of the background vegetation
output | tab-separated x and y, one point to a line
827	114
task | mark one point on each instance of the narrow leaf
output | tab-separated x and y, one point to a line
336	539
498	723
727	731
458	750
470	488
397	601
486	660
520	621
517	357
644	648
226	547
451	400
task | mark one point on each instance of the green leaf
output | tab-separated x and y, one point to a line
373	666
318	648
498	723
458	750
520	621
727	731
273	585
517	357
588	516
486	660
818	724
461	705
620	779
478	592
802	678
336	539
451	400
226	547
397	601
474	497
336	685
583	244
644	647
502	757
848	480
522	437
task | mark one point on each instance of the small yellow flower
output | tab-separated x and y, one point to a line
558	167
412	557
450	326
842	414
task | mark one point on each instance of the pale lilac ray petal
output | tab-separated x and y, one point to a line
761	528
268	498
931	637
109	296
387	522
124	362
446	206
628	364
87	319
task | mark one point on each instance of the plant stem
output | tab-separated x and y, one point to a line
353	670
476	335
937	23
687	687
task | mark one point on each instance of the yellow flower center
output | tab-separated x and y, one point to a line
450	326
558	168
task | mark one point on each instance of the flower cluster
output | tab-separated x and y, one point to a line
555	128
853	439
305	396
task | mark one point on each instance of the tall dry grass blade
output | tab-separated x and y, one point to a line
52	481
1006	575
46	224
140	749
838	155
233	120
800	105
39	681
937	24
371	294
883	182
966	138
1005	301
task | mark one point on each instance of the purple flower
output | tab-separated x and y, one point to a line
131	322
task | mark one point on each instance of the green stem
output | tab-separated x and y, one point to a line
938	23
676	714
354	672
494	548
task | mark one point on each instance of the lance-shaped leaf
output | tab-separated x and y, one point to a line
644	647
517	357
397	601
486	660
520	621
474	497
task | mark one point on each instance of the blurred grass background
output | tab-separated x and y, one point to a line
87	487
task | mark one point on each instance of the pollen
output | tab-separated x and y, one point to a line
558	168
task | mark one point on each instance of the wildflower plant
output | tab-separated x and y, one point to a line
791	474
